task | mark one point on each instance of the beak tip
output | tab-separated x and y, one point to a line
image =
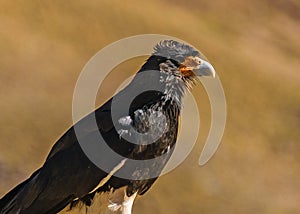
206	69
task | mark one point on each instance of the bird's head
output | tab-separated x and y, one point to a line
188	61
179	62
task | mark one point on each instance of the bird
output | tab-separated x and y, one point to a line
70	182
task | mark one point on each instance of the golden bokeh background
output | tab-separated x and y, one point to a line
253	45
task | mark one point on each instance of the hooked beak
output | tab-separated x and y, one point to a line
205	69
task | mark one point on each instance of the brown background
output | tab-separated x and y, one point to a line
254	46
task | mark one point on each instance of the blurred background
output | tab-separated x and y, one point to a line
253	45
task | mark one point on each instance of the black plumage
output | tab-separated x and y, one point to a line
68	179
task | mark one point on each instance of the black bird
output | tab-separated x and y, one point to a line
70	182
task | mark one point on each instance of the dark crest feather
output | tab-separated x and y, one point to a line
174	50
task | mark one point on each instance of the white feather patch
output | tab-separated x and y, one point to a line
104	180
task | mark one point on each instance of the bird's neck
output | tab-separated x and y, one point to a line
174	89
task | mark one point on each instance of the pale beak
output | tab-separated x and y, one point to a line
205	69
